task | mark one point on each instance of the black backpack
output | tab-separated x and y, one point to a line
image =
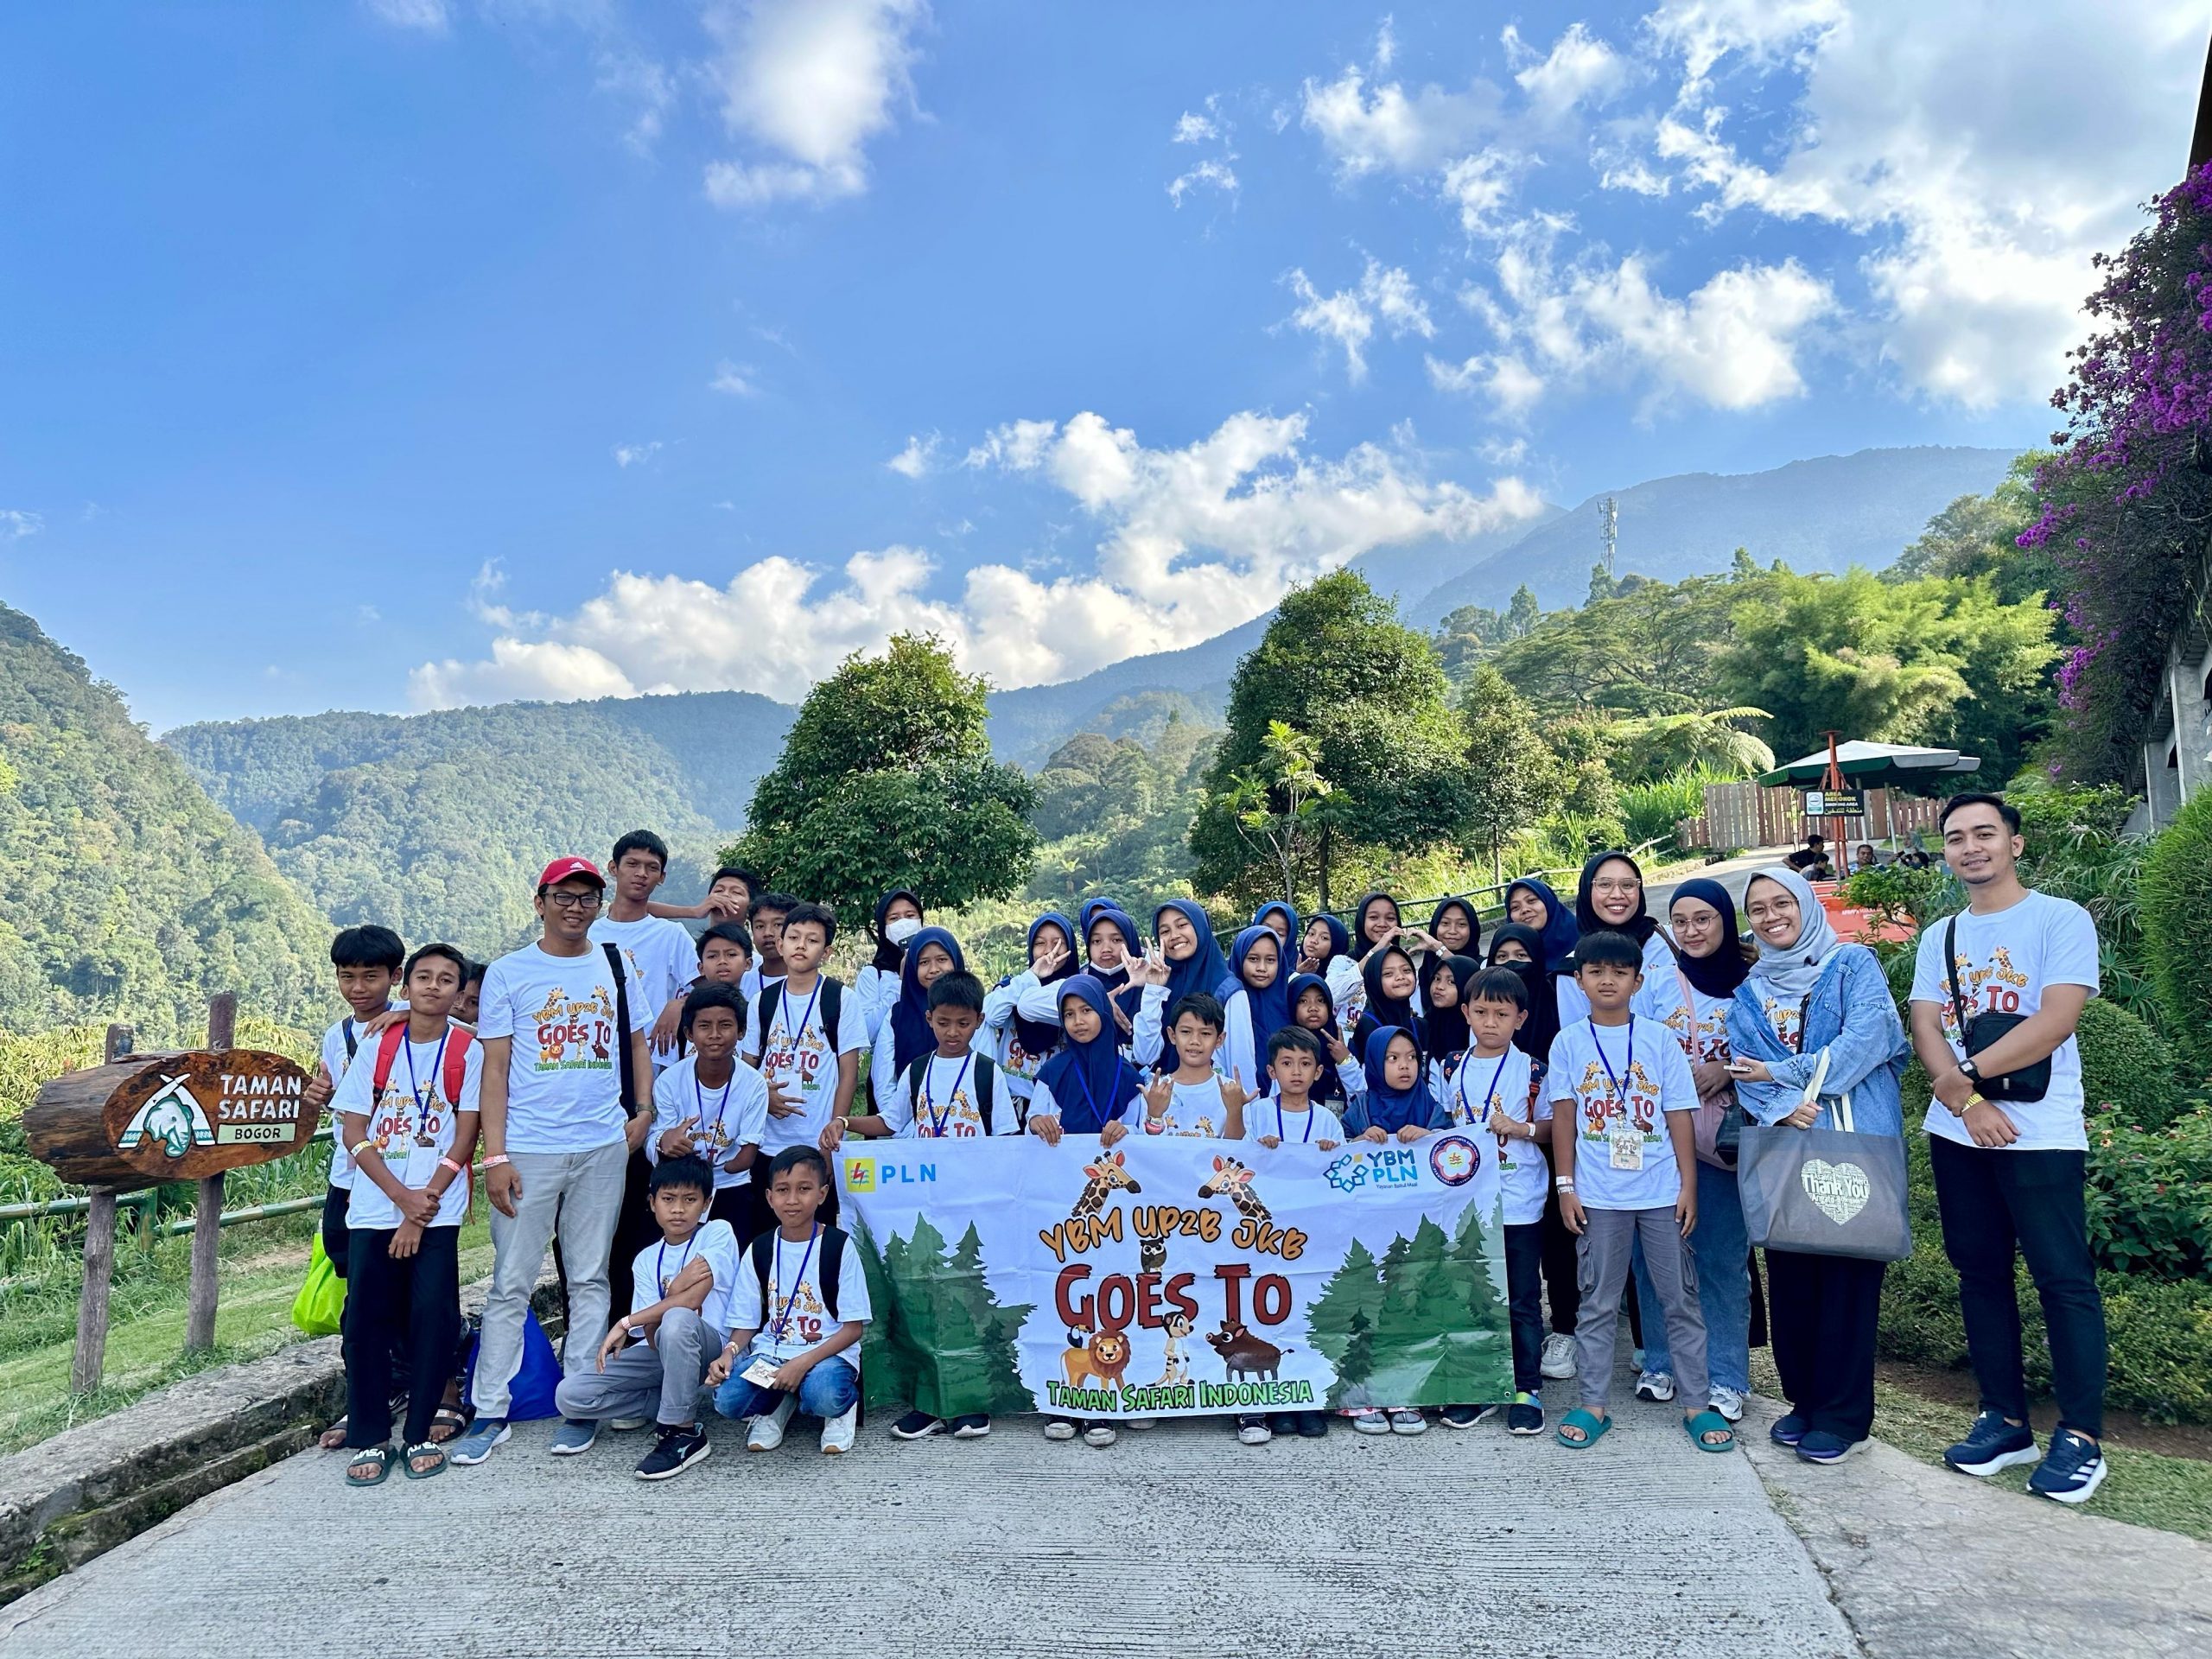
984	1072
827	1271
833	1004
629	1061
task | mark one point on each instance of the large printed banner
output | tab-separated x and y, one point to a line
1176	1276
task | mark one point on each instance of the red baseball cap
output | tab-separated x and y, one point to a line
563	869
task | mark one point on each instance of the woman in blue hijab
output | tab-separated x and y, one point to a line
1021	1011
1287	931
1532	904
911	1036
1387	1108
1108	933
1086	1088
1187	941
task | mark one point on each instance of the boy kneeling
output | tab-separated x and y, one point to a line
804	1280
657	1356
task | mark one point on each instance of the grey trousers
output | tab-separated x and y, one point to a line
662	1377
578	1195
1603	1253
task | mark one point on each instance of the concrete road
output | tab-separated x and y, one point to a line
1174	1542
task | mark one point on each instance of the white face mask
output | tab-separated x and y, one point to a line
902	930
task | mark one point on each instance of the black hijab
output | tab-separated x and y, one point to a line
1432	960
1362	946
1386	1010
1639	927
1719	974
1447	1037
888	955
1537	1031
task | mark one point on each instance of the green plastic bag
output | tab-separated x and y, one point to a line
322	1301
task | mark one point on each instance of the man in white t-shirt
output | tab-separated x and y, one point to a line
661	951
2010	1158
558	1135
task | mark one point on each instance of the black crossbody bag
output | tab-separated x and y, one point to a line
1977	1032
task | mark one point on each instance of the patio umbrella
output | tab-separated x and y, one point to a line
1868	765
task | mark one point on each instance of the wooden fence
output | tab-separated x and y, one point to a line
1745	815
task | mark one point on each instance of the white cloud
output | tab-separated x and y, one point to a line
1348	317
632	454
917	457
427	16
1579	69
15	524
646	86
1391	130
807	84
1386	43
734	380
1511	386
1479	186
1207	174
1194	129
1191	541
1702	32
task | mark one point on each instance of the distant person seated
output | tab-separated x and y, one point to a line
1913	859
1811	861
1862	857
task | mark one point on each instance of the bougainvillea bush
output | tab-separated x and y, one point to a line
2126	501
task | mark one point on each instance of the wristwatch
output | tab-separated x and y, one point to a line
1973	1071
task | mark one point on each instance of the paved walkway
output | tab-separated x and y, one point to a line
1176	1541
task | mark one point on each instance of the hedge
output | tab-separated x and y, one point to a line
2174	896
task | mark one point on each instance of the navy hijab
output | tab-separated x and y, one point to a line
1329	1086
911	1036
1537	1031
1115	980
1362	946
1091	1084
1719	974
887	954
1291	941
1040	1036
1390	1109
1639	927
1270	1008
1339	942
1204	968
1560	931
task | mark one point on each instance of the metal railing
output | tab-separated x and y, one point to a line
145	1199
1554	877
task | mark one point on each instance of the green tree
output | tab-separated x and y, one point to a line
945	1345
887	781
1438	1335
1657	746
1336	665
1649	650
1522	613
1276	806
1513	776
1978	536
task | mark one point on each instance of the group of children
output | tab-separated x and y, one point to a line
727	1270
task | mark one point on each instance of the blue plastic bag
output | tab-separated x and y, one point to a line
530	1396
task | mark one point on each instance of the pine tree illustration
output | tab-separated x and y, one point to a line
888	1355
1356	1366
1438	1335
949	1342
1354	1288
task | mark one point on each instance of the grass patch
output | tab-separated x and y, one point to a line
2149	1488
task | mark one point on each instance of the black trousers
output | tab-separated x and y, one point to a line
1524	1290
334	1203
1562	1269
734	1205
1822	1310
1992	1202
412	1304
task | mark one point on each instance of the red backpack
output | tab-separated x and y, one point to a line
457	1042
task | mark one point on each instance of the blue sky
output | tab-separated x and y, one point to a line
403	352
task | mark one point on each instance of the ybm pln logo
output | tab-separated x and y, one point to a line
173	1117
875	1175
1390	1166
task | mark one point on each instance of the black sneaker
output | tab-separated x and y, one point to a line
1252	1430
1283	1422
2070	1471
1992	1443
917	1426
1312	1425
676	1450
1458	1416
973	1426
1526	1414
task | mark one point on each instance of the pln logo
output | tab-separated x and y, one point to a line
173	1118
860	1175
875	1175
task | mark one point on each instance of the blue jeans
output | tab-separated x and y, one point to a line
831	1389
1722	1249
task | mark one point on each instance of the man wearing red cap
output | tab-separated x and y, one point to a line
558	1133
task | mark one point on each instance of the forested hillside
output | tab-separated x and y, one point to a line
436	824
125	891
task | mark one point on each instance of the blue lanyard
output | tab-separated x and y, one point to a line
937	1122
790	1296
792	1035
1483	1115
1303	1138
722	1106
660	1261
437	1070
1098	1118
1628	1067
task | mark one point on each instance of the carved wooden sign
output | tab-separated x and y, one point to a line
153	1118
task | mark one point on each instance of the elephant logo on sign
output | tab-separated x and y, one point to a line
171	1116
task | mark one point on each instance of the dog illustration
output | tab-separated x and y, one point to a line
1102	1361
1243	1355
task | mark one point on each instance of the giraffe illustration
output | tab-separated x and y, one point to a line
1173	1368
1106	1174
1233	1181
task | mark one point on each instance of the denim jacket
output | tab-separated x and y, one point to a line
1852	1015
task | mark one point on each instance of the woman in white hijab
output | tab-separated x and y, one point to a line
1810	992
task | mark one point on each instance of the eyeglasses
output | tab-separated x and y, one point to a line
575	901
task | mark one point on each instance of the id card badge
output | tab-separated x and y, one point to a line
1627	1145
761	1373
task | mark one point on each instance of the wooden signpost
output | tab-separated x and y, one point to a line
143	1119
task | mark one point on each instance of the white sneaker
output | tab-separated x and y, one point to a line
1254	1431
1099	1434
1059	1428
837	1432
1142	1422
1559	1356
627	1425
1727	1402
767	1432
1369	1421
1658	1386
1407	1422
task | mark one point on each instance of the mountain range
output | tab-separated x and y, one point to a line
435	822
